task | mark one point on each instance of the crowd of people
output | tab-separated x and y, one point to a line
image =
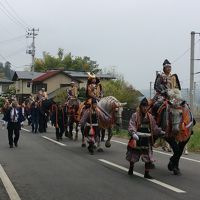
142	122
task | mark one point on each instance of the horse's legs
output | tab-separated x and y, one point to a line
76	136
178	151
97	139
181	146
175	157
110	134
71	123
67	126
103	131
83	137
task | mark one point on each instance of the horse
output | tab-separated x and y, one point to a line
111	108
175	118
72	109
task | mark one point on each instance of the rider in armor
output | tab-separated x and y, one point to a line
166	85
72	94
166	80
73	91
142	128
91	89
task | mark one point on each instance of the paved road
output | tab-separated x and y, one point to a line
41	169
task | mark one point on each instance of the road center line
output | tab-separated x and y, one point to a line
170	187
59	143
8	185
164	153
26	130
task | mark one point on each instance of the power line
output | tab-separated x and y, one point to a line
17	52
19	18
6	60
10	16
12	39
185	52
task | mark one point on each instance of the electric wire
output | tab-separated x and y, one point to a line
16	14
184	53
10	16
12	39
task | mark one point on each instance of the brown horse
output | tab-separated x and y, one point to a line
72	118
110	113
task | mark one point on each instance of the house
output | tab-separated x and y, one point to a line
22	81
83	77
29	83
52	81
4	85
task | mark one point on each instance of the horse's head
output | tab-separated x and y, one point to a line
181	119
118	113
175	110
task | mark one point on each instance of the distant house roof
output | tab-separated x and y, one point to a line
48	74
25	75
76	74
5	81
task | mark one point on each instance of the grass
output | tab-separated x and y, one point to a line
193	144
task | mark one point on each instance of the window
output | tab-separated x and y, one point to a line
28	84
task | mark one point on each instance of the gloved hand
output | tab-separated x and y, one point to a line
135	136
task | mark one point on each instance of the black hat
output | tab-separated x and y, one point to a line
166	63
144	102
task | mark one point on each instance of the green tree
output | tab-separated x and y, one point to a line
122	91
66	62
60	96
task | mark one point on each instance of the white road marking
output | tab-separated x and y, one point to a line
26	130
160	152
8	185
170	187
59	143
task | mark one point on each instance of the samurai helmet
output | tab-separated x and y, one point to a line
91	75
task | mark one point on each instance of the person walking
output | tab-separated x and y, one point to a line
13	116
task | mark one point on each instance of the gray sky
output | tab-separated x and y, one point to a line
135	36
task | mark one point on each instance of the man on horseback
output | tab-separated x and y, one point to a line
142	128
166	80
73	91
91	89
164	84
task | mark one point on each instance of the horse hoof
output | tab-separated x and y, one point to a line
107	144
83	145
100	150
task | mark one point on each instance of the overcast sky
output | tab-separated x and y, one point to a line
132	36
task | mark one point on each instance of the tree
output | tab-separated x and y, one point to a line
122	91
66	62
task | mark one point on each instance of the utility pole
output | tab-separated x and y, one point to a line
150	89
192	71
194	96
32	33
